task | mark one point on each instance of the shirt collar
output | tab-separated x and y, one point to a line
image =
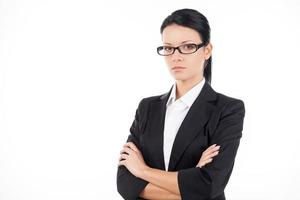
189	97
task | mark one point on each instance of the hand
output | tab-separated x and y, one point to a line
208	154
132	159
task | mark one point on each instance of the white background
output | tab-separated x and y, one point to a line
72	74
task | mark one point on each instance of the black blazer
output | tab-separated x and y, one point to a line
213	118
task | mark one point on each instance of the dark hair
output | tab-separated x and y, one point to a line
192	19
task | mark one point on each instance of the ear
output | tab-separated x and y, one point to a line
208	51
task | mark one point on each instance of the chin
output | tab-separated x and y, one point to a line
180	78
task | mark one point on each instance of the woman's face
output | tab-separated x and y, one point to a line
192	64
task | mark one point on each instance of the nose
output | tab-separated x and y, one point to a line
176	55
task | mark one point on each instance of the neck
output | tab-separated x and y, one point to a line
183	86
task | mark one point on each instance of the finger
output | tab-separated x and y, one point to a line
127	150
216	150
122	162
210	155
132	146
211	150
120	158
205	162
215	153
124	156
208	161
211	146
123	151
217	147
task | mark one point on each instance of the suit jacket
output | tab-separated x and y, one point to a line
213	118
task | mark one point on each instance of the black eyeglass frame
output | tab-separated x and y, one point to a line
198	46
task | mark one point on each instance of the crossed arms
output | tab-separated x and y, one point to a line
206	180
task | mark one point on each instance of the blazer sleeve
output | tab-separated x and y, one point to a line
209	181
128	185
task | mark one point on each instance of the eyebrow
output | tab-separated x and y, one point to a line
181	42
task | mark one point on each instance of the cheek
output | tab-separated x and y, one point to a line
168	62
196	63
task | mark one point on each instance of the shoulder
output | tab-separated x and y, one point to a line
222	103
224	100
144	102
219	101
229	105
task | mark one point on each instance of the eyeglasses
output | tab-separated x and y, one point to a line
183	49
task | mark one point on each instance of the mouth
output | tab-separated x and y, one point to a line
178	68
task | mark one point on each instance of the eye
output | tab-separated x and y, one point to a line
167	48
189	46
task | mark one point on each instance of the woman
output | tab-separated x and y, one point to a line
182	143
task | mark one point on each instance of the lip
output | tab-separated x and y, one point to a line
178	68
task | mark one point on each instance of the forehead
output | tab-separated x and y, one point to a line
176	34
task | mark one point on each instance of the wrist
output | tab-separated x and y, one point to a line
144	172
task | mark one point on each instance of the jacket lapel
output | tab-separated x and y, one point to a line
195	119
154	140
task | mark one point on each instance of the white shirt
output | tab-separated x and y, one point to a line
175	113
